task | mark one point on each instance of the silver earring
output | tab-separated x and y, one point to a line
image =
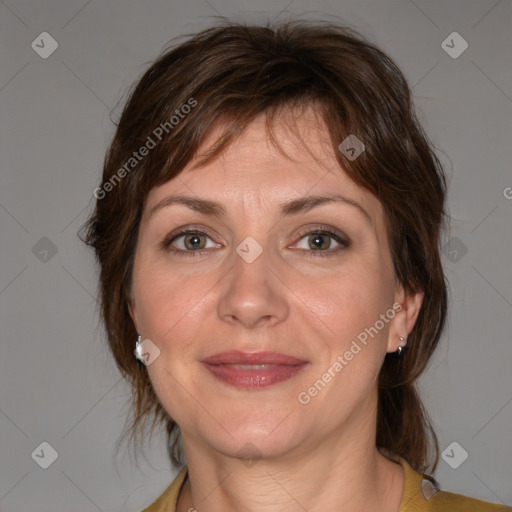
401	348
138	349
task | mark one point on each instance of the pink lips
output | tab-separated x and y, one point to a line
245	370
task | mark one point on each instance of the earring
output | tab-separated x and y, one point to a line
401	348
138	349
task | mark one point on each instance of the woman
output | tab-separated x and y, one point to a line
268	230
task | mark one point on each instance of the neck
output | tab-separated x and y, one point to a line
339	471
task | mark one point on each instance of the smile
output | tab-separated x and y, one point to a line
253	370
253	376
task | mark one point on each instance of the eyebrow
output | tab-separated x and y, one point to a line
293	207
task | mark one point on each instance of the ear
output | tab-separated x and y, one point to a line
407	308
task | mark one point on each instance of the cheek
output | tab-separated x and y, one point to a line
352	307
350	359
354	299
170	305
172	310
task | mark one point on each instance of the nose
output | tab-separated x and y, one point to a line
252	294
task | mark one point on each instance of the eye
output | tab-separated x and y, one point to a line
320	242
189	242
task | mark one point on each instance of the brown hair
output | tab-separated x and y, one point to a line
231	73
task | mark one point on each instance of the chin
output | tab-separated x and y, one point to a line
250	449
255	440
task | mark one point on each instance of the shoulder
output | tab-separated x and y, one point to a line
167	501
447	501
423	494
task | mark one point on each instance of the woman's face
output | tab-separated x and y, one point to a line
313	281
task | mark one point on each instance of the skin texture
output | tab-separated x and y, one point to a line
289	300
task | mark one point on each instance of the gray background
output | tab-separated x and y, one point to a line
58	384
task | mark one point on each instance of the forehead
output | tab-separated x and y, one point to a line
255	171
295	141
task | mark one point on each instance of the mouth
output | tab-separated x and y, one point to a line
253	370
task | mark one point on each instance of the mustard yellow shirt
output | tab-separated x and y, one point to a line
420	495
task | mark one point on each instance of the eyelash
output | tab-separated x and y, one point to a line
343	242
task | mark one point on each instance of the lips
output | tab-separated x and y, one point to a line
236	357
253	370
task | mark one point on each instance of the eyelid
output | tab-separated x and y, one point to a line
339	237
182	231
322	228
343	241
